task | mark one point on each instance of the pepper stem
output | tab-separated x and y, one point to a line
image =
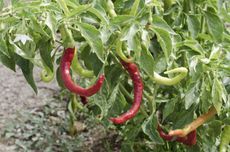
120	53
67	36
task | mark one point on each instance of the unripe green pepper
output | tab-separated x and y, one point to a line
77	68
170	81
47	75
225	139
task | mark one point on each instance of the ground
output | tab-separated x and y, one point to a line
31	121
16	95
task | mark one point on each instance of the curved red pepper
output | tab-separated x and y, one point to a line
68	82
138	91
163	134
189	140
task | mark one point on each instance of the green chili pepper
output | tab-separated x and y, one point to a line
67	37
110	8
170	81
225	139
47	74
77	68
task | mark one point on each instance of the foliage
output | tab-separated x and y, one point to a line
45	128
160	35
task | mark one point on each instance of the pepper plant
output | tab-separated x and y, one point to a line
176	52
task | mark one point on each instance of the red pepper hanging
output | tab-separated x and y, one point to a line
189	140
69	83
138	91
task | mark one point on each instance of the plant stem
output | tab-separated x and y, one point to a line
120	53
67	36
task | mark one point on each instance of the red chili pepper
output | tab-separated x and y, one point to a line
163	134
68	82
138	91
189	140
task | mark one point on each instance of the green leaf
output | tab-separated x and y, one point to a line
184	118
149	128
147	61
122	20
113	75
214	128
37	27
217	91
3	47
205	94
72	3
128	34
106	104
27	70
127	146
51	22
8	62
119	104
45	53
100	15
18	50
193	44
193	25
135	7
161	23
215	26
169	108
192	96
79	9
95	63
93	37
62	4
131	132
165	40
